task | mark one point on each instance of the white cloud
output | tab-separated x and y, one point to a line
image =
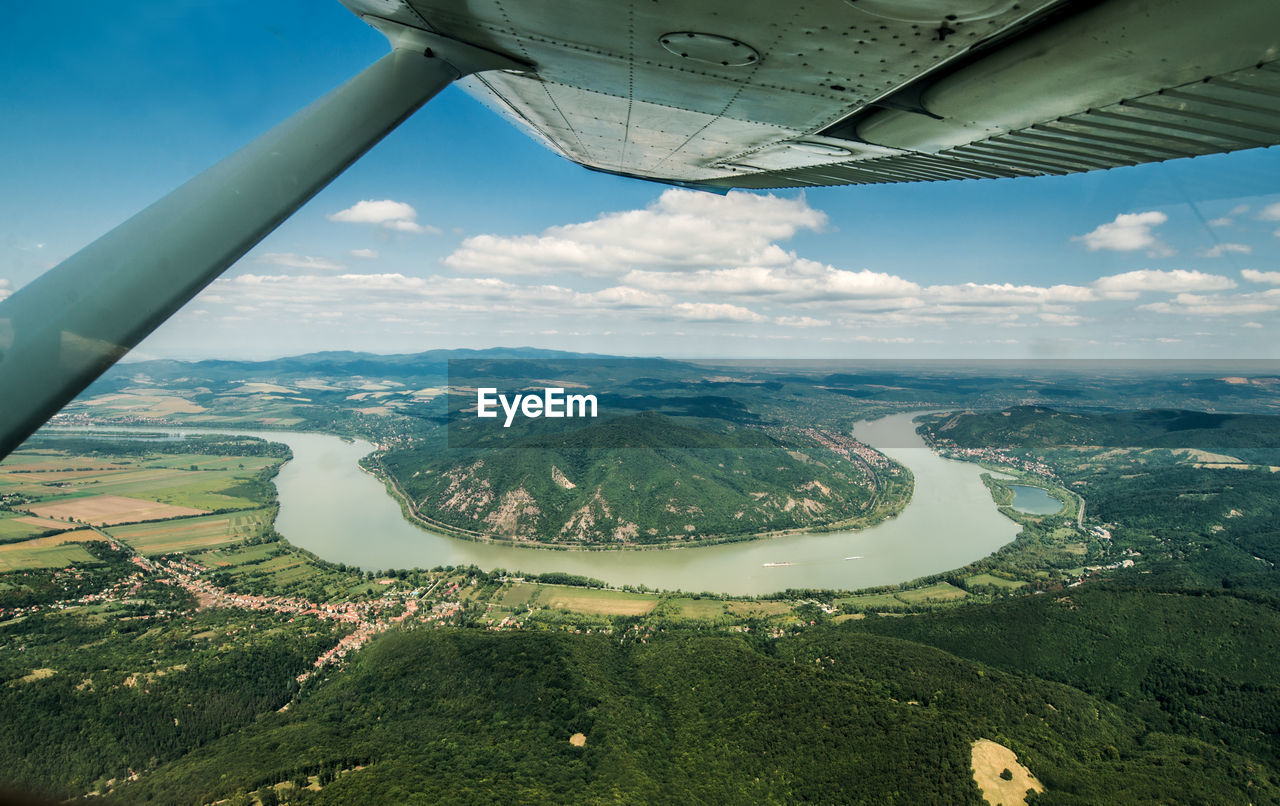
1007	294
296	261
377	294
801	321
1239	209
1222	222
1129	232
1129	284
1255	276
715	312
864	284
1218	250
1270	213
682	230
403	225
885	339
5	288
693	257
623	297
1252	324
1061	319
798	280
396	297
691	251
388	214
1218	305
372	211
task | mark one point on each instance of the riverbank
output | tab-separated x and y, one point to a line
343	514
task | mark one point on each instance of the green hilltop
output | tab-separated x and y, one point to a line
642	479
831	716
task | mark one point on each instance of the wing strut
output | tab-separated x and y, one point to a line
65	328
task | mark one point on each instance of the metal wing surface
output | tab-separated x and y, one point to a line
757	94
706	93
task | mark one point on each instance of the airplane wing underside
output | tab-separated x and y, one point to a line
758	94
705	93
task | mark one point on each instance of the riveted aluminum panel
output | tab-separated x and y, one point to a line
1006	88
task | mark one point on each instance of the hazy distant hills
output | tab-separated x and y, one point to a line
1254	386
329	363
1242	435
632	480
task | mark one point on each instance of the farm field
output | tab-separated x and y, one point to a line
165	496
273	568
939	592
106	510
936	593
761	609
698	608
16	528
180	480
602	602
145	405
229	556
871	600
56	551
194	534
578	600
250	404
41	524
990	579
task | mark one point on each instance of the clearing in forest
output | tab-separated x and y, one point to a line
991	762
602	602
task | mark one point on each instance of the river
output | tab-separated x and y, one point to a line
331	507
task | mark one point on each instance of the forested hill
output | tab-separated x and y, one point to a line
1185	635
1040	427
643	479
832	716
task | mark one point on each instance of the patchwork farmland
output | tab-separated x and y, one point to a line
106	510
55	551
156	496
194	534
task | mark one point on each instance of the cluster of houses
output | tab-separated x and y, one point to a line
369	617
996	456
846	446
118	591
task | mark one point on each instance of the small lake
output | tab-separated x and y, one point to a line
329	506
1033	500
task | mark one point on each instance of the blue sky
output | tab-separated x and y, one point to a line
458	231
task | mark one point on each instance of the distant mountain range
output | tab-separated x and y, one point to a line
327	363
